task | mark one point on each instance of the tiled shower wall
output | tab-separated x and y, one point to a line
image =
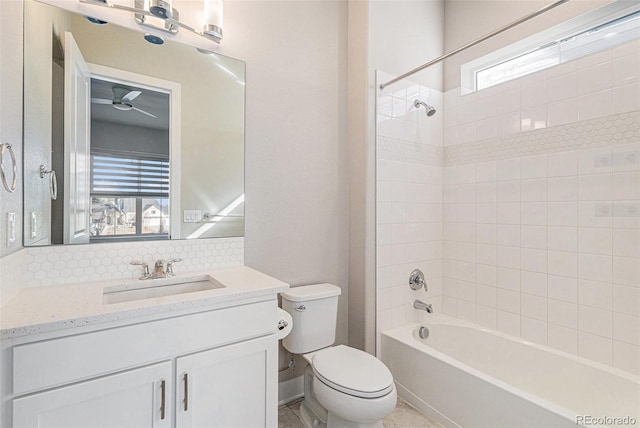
409	202
542	207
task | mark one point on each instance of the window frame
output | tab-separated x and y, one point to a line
578	25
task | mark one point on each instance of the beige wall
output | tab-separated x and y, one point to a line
296	138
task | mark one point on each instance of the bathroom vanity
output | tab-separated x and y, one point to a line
199	358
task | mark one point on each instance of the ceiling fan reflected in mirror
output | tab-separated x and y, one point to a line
122	100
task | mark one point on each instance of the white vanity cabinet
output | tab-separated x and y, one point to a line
227	387
132	399
214	368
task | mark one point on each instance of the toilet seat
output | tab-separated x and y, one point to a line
352	372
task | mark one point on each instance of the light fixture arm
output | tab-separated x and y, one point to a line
171	25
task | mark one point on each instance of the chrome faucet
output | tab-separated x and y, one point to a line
418	304
161	268
158	270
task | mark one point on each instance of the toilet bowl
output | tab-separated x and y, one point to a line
343	386
353	386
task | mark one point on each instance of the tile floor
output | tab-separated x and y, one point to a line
404	416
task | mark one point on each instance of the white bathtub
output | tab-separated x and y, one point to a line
464	375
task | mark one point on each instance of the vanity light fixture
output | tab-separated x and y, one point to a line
213	18
161	15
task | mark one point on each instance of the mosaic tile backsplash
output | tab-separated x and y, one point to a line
57	265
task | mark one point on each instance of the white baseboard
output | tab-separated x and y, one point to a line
290	390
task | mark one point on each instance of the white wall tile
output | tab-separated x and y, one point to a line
595	187
563	314
626	328
595	347
509	213
626	98
563	338
563	87
562	112
533	167
534	283
595	321
508	191
562	164
562	238
562	288
509	323
562	189
595	240
626	271
534	190
563	263
595	78
508	169
533	236
508	279
533	260
626	300
595	294
533	330
626	356
486	171
486	316
508	234
534	213
534	95
562	213
595	161
595	267
534	307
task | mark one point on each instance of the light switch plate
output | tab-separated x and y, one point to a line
192	216
11	229
34	225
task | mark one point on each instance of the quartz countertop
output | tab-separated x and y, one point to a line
53	308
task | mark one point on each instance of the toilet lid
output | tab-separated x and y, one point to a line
353	372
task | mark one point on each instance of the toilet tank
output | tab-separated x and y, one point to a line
314	309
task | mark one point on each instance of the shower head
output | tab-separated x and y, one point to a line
430	110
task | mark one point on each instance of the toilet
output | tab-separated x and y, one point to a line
343	386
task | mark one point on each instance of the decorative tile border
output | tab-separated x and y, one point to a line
408	151
57	265
601	132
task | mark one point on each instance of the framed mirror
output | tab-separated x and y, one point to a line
127	140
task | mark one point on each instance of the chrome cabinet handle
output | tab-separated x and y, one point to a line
163	388
9	187
301	308
186	392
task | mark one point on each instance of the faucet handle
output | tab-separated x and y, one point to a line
417	281
170	265
145	268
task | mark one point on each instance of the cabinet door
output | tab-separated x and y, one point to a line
230	386
133	399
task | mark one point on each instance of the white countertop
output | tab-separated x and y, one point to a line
47	309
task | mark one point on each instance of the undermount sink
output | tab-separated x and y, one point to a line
151	288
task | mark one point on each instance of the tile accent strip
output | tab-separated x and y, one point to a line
593	133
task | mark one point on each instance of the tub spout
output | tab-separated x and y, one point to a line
423	306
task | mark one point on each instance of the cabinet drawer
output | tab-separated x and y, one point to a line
58	361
